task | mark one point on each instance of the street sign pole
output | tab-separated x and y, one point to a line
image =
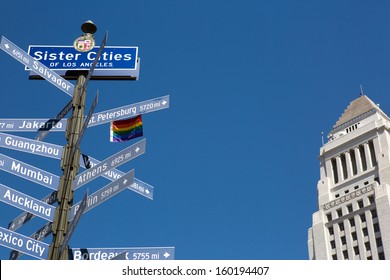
70	168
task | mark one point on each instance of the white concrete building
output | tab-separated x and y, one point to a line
353	220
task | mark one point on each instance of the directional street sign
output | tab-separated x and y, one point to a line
104	193
74	223
130	111
97	57
23	243
39	235
124	112
111	162
27	216
26	203
29	172
114	63
25	125
36	66
142	253
30	146
82	131
51	123
138	186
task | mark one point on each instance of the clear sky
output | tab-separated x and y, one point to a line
233	161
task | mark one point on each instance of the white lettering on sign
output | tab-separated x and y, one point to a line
113	115
105	56
48	74
32	147
98	255
27	203
90	174
31	173
22	243
38	125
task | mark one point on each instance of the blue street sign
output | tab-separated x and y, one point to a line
120	113
39	235
27	216
104	193
26	203
109	163
68	58
133	253
30	146
138	186
36	66
49	124
25	125
29	172
23	244
130	111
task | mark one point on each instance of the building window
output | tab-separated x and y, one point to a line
367	245
334	168
365	231
344	166
371	199
360	203
376	227
353	160
363	217
331	231
363	157
334	257
356	250
345	254
374	214
352	222
343	240
349	208
329	217
372	152
341	226
379	242
354	236
332	244
339	212
381	256
369	258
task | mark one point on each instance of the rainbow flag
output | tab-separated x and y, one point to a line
125	130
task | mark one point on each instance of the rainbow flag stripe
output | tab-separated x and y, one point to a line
124	130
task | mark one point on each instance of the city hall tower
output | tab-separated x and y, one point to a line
353	217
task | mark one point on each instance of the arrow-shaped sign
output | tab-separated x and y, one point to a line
132	253
104	193
54	124
111	162
92	201
36	66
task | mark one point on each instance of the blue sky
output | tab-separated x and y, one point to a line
233	161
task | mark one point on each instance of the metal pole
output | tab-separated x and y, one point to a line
70	167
